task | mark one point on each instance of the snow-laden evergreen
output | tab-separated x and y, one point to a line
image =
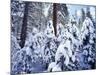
44	49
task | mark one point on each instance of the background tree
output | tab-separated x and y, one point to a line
17	11
83	15
88	14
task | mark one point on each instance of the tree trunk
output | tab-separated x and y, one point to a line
24	26
55	17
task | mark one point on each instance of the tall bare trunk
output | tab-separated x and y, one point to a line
55	17
24	26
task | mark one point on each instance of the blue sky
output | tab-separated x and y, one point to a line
72	8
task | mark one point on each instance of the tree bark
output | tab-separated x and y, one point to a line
55	18
24	26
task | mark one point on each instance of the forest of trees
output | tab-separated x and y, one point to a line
48	37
